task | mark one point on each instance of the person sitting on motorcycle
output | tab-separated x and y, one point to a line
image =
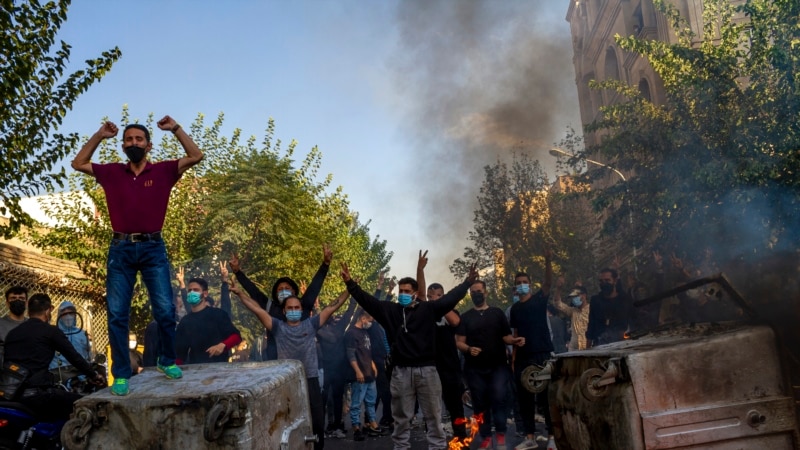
33	345
67	322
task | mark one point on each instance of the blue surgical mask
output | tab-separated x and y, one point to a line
284	294
404	299
515	298
68	320
193	297
294	315
576	301
523	289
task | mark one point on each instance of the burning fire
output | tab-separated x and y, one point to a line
473	425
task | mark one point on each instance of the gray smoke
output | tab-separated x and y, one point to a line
483	79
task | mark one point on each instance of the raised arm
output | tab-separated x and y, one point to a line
252	290
251	304
422	288
556	297
313	290
193	153
224	291
449	300
370	304
83	160
330	309
548	271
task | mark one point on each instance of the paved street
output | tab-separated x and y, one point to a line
418	441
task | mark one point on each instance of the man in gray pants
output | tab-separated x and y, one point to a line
411	330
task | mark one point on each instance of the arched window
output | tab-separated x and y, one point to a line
644	88
611	67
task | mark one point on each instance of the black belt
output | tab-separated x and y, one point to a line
138	237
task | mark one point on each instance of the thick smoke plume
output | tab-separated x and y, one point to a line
481	79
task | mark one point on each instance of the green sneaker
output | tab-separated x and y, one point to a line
171	371
120	386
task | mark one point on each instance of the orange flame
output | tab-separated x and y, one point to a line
474	425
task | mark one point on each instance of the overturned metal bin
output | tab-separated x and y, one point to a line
715	385
254	405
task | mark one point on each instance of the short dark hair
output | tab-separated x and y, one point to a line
286	300
481	282
435	286
16	290
409	280
613	272
203	283
137	126
39	303
522	274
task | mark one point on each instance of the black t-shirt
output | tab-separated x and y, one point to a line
609	318
200	330
529	318
359	346
446	351
485	329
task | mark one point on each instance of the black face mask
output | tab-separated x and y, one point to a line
606	288
477	299
17	307
134	153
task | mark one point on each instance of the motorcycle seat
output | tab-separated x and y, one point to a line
5	404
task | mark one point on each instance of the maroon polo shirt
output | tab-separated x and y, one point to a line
137	204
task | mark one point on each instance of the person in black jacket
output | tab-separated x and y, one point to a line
334	365
283	288
411	330
611	313
33	345
448	364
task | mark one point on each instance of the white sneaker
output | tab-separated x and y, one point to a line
541	438
527	444
551	445
539	418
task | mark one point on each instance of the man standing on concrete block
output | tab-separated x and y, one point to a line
137	194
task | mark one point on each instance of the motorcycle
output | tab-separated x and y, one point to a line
21	430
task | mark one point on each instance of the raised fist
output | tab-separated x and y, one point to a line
108	130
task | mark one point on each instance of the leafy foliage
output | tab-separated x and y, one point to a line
35	95
716	165
510	224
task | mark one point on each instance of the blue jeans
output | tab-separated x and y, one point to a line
362	392
125	259
488	388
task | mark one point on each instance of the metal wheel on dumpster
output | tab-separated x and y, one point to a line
529	381
71	435
587	384
215	421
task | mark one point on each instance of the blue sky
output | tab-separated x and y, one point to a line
406	100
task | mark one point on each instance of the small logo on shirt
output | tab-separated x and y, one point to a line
148	183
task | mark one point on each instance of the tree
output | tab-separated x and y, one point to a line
243	198
716	165
36	95
510	225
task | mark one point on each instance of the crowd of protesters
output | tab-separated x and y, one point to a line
407	355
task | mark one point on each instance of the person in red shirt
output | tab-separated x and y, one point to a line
137	195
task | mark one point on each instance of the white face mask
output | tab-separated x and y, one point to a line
367	325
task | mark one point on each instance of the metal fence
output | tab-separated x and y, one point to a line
90	305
